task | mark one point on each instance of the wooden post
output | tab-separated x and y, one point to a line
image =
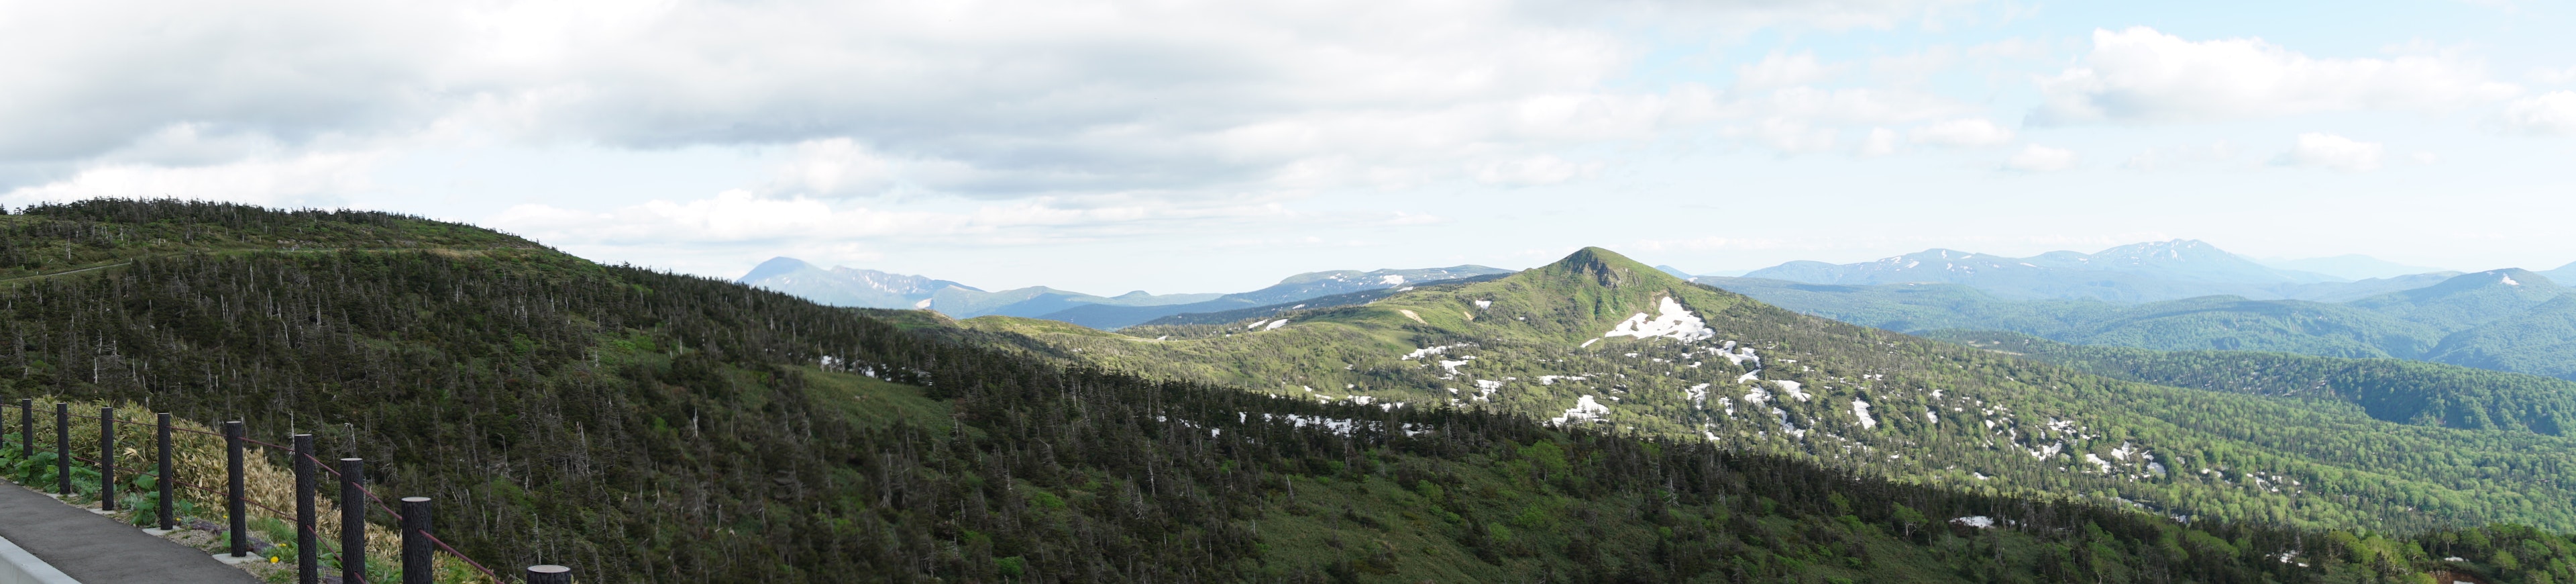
63	447
353	520
169	509
107	459
308	543
416	561
235	496
549	574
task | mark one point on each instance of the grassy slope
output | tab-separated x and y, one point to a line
2349	469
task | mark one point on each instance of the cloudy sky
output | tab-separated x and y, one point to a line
1216	146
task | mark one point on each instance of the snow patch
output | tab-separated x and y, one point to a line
2508	281
923	304
1698	395
1391	280
1976	521
1484	304
1274	325
1670	321
1860	409
1256	324
1785	426
1584	410
1791	388
1426	351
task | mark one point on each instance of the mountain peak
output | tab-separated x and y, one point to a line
1607	267
773	267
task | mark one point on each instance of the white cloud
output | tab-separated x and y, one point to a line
1881	142
2322	150
1971	132
2552	76
312	180
1791	136
1544	169
2553	113
2141	75
1007	98
2216	154
742	217
1780	69
2037	158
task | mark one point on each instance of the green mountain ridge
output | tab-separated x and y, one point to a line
1690	362
2395	390
648	426
2432	323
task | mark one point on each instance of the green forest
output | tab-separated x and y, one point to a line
645	426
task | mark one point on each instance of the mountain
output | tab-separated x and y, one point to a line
2395	390
2467	300
2349	267
1599	341
2540	341
1291	289
2229	323
2203	323
2365	288
841	286
2129	273
857	288
2494	319
2566	273
647	426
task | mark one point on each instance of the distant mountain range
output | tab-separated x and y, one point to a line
860	288
2130	273
2510	319
1601	341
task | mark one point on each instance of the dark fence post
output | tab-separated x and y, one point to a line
107	459
308	552
235	497
415	540
353	520
549	574
27	427
63	446
169	508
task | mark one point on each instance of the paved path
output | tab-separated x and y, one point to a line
95	549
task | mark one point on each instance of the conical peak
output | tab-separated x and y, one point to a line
1607	268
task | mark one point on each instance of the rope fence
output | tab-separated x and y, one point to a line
418	544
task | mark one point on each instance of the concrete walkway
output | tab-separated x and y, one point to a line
95	549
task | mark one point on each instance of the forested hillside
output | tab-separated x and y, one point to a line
644	426
2396	390
1599	340
2505	320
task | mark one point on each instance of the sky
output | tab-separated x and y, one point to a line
1218	146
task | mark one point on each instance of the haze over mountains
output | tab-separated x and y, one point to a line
2169	295
860	288
2189	295
2130	273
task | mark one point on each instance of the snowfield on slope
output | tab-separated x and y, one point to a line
1670	321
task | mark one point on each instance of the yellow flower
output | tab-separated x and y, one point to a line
272	559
